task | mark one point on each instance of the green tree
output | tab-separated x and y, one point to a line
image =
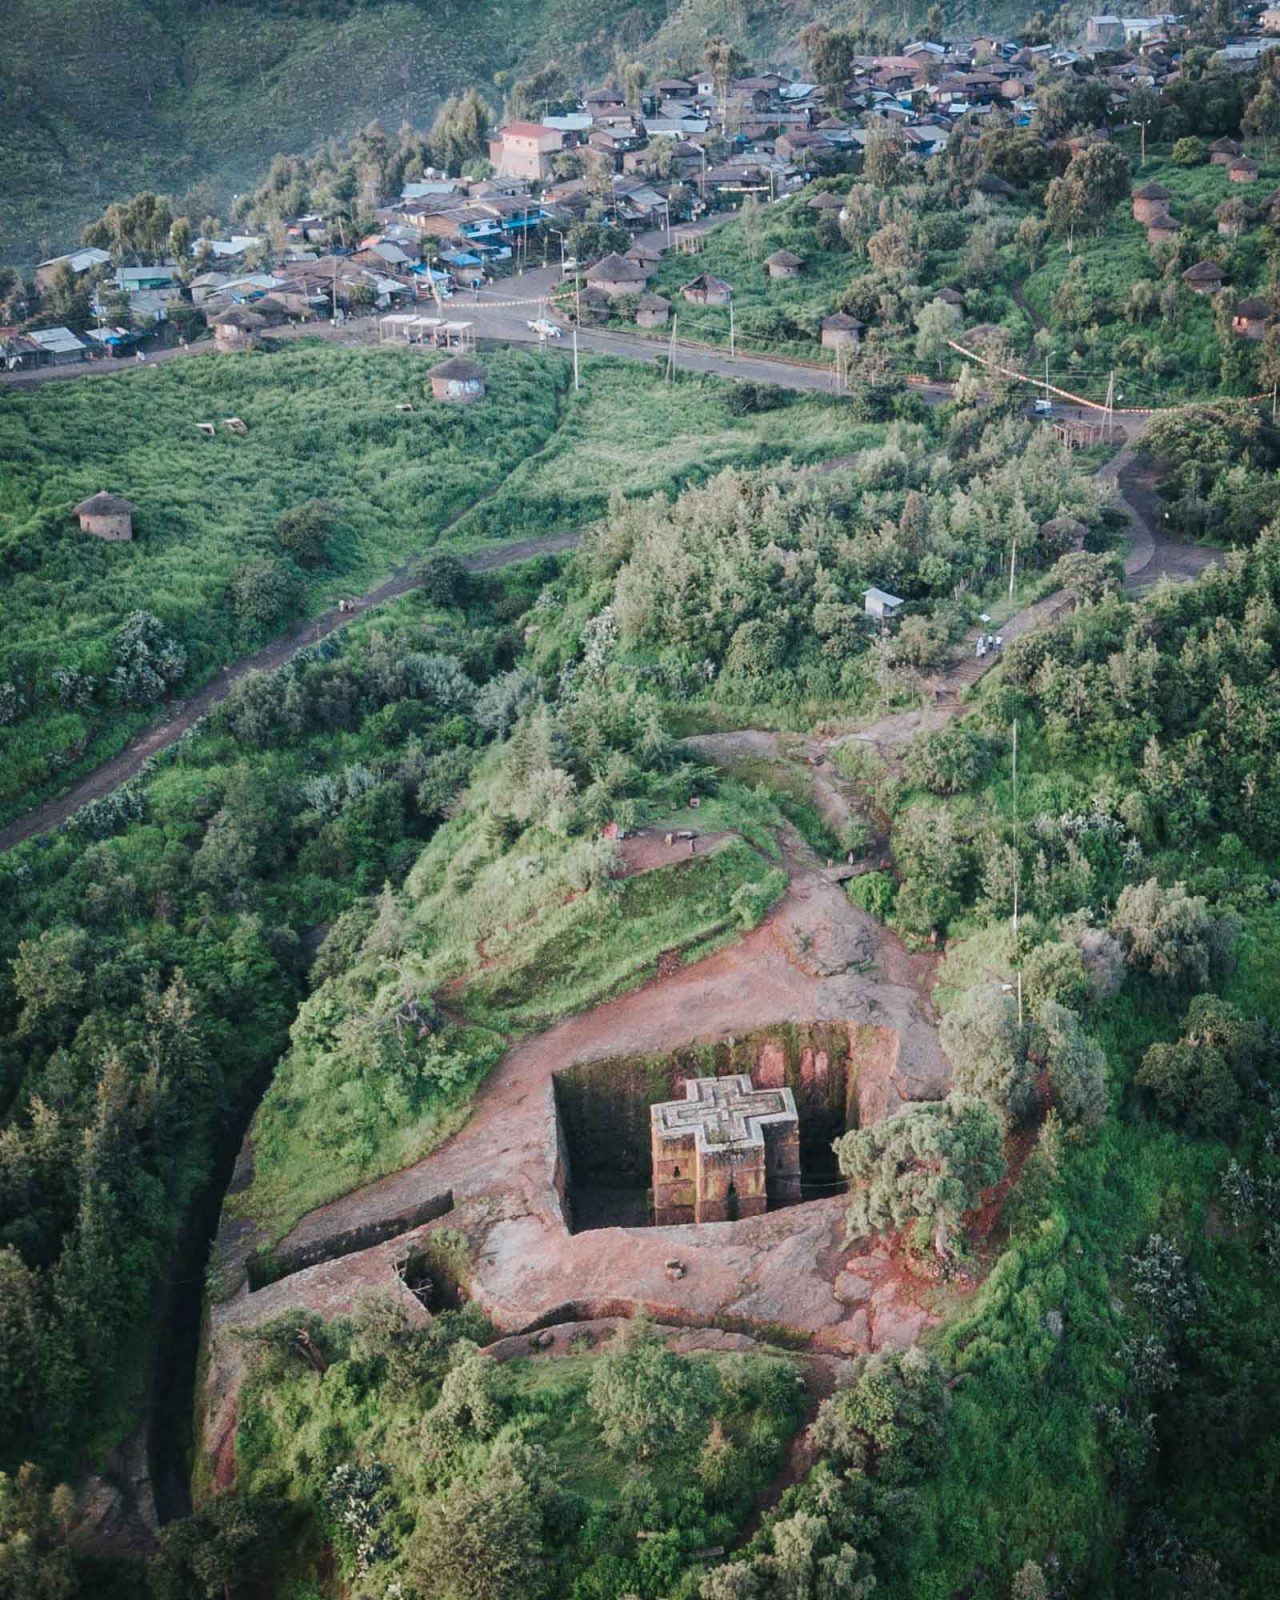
304	531
460	132
66	301
645	1399
928	1163
883	158
987	1050
480	1540
222	1550
35	1563
1076	1066
634	77
1262	114
263	593
1172	934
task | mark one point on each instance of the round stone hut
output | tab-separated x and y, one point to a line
106	516
237	329
1150	201
458	381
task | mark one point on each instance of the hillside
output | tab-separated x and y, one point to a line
194	99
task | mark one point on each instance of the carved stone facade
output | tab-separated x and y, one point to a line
727	1150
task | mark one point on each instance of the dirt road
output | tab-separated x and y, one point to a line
188	712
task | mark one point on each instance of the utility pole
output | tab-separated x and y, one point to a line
732	343
576	381
1013	565
1017	870
671	350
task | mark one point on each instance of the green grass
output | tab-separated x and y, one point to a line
631	433
574	956
322	423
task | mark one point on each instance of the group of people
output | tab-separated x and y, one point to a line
988	642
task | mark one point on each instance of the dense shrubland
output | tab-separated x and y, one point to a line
138	940
425	800
749	591
1109	1377
420	1459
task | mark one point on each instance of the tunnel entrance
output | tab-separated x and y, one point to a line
605	1125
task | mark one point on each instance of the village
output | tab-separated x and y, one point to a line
594	192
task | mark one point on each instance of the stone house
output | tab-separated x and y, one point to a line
1231	219
1250	318
458	381
841	329
524	150
652	311
1206	278
1244	169
727	1150
106	516
1150	201
708	290
1222	152
1162	229
617	276
237	329
784	264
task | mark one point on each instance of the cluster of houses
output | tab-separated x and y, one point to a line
1152	209
683	146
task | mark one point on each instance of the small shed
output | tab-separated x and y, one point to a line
106	516
689	241
826	203
1244	169
951	297
237	329
458	381
1222	152
1150	201
1249	319
708	290
652	311
784	264
880	604
1206	277
841	329
1162	229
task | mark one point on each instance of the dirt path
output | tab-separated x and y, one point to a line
1020	300
104	779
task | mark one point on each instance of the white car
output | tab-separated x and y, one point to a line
545	329
1042	407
